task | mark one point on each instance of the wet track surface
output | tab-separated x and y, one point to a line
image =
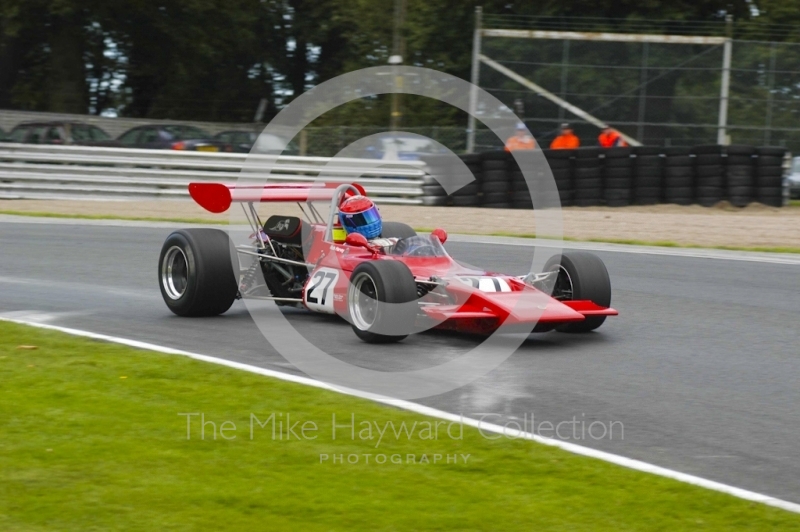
701	367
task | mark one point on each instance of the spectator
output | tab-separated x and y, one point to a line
610	138
521	140
566	140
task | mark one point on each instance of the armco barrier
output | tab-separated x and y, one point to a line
642	175
73	172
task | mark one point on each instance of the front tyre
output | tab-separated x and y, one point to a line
377	289
581	276
195	274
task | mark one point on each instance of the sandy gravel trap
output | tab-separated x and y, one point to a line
752	226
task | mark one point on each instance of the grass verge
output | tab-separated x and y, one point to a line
666	244
630	242
633	242
92	439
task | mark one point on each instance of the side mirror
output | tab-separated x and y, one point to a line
440	234
356	240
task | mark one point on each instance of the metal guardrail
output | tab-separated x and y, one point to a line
30	171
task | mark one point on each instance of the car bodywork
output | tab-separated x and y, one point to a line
316	275
171	137
60	133
243	141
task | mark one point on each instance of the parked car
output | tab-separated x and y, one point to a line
172	137
794	179
243	141
60	133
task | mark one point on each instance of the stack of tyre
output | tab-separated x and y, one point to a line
433	193
468	195
769	176
679	176
648	175
560	162
587	177
740	174
495	186
618	177
710	185
520	195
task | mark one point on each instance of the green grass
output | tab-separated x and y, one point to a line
630	242
794	203
82	448
663	243
655	243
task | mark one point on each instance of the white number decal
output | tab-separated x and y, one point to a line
319	291
486	284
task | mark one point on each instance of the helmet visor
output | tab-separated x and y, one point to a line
361	219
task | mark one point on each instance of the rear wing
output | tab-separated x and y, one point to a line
217	197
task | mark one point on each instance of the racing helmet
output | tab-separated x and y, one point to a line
358	214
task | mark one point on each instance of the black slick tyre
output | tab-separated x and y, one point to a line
195	274
581	275
396	230
373	299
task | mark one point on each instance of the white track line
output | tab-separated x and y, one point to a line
432	412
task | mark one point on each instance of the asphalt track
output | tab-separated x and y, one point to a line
701	367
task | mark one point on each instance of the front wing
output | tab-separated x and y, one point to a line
523	310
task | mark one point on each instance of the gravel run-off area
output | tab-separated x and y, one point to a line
723	225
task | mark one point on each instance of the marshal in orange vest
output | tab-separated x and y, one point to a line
610	138
567	140
521	140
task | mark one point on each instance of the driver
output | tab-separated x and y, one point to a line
359	214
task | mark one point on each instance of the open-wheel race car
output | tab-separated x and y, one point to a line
386	287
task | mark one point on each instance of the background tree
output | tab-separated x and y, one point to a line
217	59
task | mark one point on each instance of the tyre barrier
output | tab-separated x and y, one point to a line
618	172
617	177
650	173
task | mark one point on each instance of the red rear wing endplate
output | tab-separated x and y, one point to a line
217	197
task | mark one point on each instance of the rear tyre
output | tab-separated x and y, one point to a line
396	230
195	274
581	275
376	288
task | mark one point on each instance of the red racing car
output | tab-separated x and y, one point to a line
387	288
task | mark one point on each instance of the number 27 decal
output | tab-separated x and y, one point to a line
319	293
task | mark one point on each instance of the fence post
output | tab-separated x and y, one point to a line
476	69
770	86
725	85
643	93
564	67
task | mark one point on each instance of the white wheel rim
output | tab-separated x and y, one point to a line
363	301
175	273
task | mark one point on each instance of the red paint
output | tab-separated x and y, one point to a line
217	198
